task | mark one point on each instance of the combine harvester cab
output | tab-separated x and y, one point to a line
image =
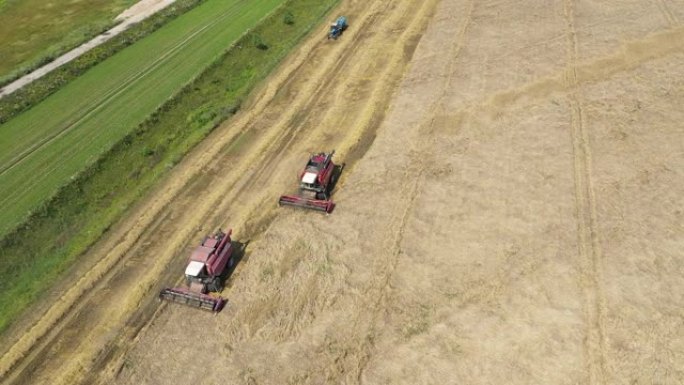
337	28
315	183
203	274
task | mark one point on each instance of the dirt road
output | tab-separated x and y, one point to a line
511	212
136	13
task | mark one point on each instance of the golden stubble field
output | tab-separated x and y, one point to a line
511	212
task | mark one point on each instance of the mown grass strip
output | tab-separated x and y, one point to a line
34	32
21	100
35	254
55	140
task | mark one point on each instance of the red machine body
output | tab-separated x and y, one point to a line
315	183
214	253
203	273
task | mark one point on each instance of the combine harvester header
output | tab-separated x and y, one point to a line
208	262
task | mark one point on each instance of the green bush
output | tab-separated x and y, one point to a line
288	18
258	41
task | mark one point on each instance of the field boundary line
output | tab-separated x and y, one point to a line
629	56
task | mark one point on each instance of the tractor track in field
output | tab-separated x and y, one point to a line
125	252
292	126
382	290
587	232
668	15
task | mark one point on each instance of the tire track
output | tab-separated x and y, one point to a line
631	55
669	17
409	195
292	127
588	240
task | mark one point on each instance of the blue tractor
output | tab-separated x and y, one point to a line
337	28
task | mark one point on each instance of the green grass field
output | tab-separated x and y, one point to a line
33	93
32	30
45	146
42	248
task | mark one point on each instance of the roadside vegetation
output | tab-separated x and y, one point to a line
24	98
35	32
36	253
44	147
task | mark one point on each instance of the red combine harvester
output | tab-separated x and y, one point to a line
203	274
315	183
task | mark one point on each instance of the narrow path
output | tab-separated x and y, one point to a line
591	276
99	103
138	12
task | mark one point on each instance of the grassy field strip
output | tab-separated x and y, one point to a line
97	104
90	132
88	136
33	31
17	135
101	102
21	100
82	115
